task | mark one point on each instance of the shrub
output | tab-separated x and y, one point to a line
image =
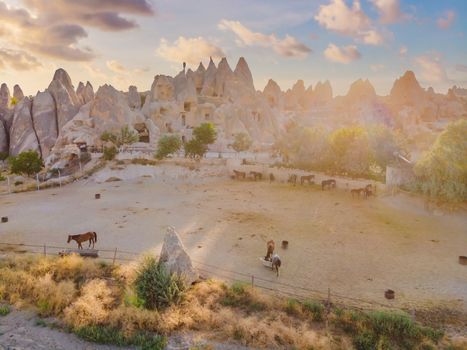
168	144
156	287
107	136
242	142
315	308
110	153
4	310
442	171
2	178
17	183
28	163
3	156
85	157
113	336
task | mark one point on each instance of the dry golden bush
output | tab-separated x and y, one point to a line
92	307
52	297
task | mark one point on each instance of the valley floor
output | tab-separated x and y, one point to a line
357	248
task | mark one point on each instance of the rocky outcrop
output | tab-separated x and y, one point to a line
18	93
273	94
134	100
223	75
198	77
62	76
162	88
406	90
322	93
242	73
45	121
184	88
175	258
22	134
3	138
4	96
67	104
110	111
85	93
209	84
361	91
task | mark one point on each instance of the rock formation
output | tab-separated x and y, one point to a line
22	134
322	93
134	100
243	74
175	258
3	138
85	93
4	96
209	84
407	91
273	94
65	98
18	93
45	121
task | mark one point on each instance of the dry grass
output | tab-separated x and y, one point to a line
86	294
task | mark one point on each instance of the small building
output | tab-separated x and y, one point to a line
401	173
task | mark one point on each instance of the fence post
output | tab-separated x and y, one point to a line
37	180
252	280
60	178
115	256
45	250
9	187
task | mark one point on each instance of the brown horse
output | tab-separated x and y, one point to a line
256	175
357	191
272	178
292	179
309	178
276	263
270	250
83	237
239	174
331	183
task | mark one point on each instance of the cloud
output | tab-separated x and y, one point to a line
389	11
116	67
403	51
286	47
345	54
348	21
189	50
461	68
18	60
55	28
431	70
377	67
446	20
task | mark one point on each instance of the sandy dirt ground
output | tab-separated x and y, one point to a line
357	248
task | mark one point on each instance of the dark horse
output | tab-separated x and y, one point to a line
83	237
357	191
292	179
331	183
308	178
271	177
256	175
239	174
270	250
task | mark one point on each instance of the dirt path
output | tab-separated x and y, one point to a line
358	248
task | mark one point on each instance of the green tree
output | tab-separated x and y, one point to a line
124	137
351	150
442	171
28	162
195	149
242	142
385	143
205	133
167	144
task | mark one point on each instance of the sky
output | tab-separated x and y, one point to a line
128	42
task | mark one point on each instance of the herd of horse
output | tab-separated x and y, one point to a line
293	179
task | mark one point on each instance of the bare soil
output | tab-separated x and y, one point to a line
358	248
